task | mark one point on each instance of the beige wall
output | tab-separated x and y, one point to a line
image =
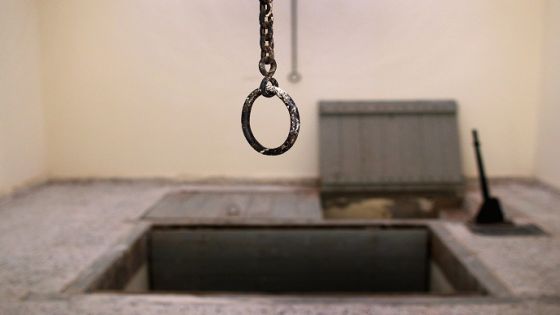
548	145
22	137
155	88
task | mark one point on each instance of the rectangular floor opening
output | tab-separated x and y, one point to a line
331	259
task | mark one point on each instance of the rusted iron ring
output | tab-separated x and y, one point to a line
294	121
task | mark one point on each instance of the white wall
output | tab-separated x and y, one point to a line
548	145
155	88
22	137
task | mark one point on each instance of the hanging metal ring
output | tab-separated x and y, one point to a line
294	121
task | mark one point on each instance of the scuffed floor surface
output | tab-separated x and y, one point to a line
49	234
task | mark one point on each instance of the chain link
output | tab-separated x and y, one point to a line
267	64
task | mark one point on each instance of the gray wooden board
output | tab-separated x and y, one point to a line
289	260
391	144
330	148
216	205
350	149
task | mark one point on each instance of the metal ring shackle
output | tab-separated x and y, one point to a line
294	121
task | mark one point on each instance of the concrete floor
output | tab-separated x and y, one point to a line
52	233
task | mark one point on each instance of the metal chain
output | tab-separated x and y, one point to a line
266	20
269	87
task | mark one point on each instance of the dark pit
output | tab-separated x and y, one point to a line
321	259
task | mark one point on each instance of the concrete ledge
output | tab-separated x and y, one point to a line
112	270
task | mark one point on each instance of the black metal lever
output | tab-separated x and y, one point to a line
491	210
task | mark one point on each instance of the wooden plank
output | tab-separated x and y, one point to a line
237	204
220	205
391	144
392	157
309	206
454	151
330	161
284	205
411	153
260	205
350	149
372	139
171	205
